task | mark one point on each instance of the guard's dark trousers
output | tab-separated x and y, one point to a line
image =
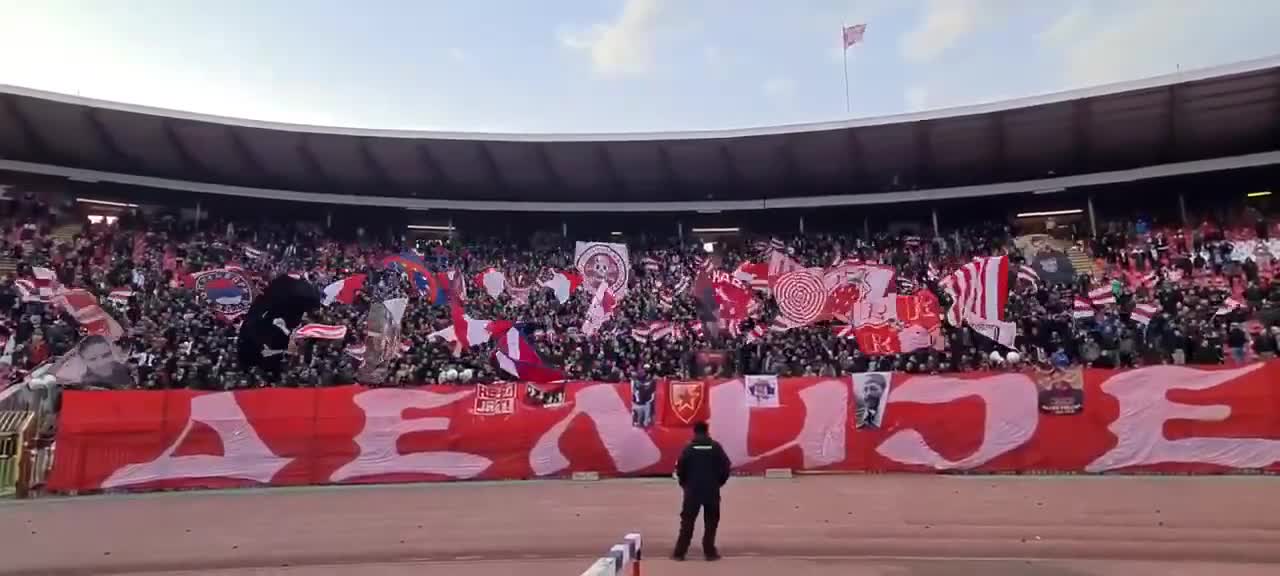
710	506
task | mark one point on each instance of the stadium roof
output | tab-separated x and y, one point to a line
1204	120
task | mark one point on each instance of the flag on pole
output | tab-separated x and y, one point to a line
853	34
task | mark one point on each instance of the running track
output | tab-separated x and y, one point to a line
848	525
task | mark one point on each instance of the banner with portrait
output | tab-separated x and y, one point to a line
382	340
603	262
1060	390
95	363
870	395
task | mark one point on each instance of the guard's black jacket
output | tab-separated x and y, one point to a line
703	467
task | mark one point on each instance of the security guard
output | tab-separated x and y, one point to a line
702	470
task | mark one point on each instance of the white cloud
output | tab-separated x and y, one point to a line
916	97
1067	28
1152	37
779	88
942	24
622	46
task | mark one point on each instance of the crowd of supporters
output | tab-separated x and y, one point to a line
174	340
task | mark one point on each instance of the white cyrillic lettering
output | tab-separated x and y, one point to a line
1145	407
1010	421
384	424
244	455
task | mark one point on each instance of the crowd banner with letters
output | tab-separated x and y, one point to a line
1159	419
603	262
762	391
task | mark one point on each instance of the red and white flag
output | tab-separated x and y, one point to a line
978	292
853	34
1029	274
1081	309
801	295
493	281
564	284
466	332
120	296
1228	306
1102	296
83	305
978	289
321	332
843	331
344	290
1143	313
653	331
757	333
43	286
601	309
753	274
515	356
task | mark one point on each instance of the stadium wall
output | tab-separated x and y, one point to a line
1162	419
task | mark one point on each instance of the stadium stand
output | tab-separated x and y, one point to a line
139	206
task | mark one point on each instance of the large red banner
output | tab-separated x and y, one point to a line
1156	419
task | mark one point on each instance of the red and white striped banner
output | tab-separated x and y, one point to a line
321	331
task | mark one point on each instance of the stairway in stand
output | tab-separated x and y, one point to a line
1080	260
66	232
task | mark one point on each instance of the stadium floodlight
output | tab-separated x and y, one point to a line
434	227
615	233
714	230
708	247
1258	194
106	203
1050	213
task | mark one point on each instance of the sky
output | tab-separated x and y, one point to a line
605	65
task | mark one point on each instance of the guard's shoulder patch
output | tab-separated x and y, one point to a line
702	447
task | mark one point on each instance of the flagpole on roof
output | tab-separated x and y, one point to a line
844	45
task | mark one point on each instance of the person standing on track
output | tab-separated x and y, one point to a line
702	470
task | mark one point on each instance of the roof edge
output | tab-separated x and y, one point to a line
1000	189
1231	69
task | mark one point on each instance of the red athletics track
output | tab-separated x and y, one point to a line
847	524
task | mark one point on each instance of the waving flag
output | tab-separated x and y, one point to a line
1029	274
601	309
492	281
466	332
515	356
344	290
978	292
564	283
412	266
43	286
83	305
1102	296
853	34
1143	313
1082	309
653	331
321	332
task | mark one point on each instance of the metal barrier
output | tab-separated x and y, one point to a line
16	454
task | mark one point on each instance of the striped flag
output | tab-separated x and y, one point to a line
978	289
843	331
653	331
757	333
43	286
321	331
1028	274
1081	309
1102	296
1228	306
1143	313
